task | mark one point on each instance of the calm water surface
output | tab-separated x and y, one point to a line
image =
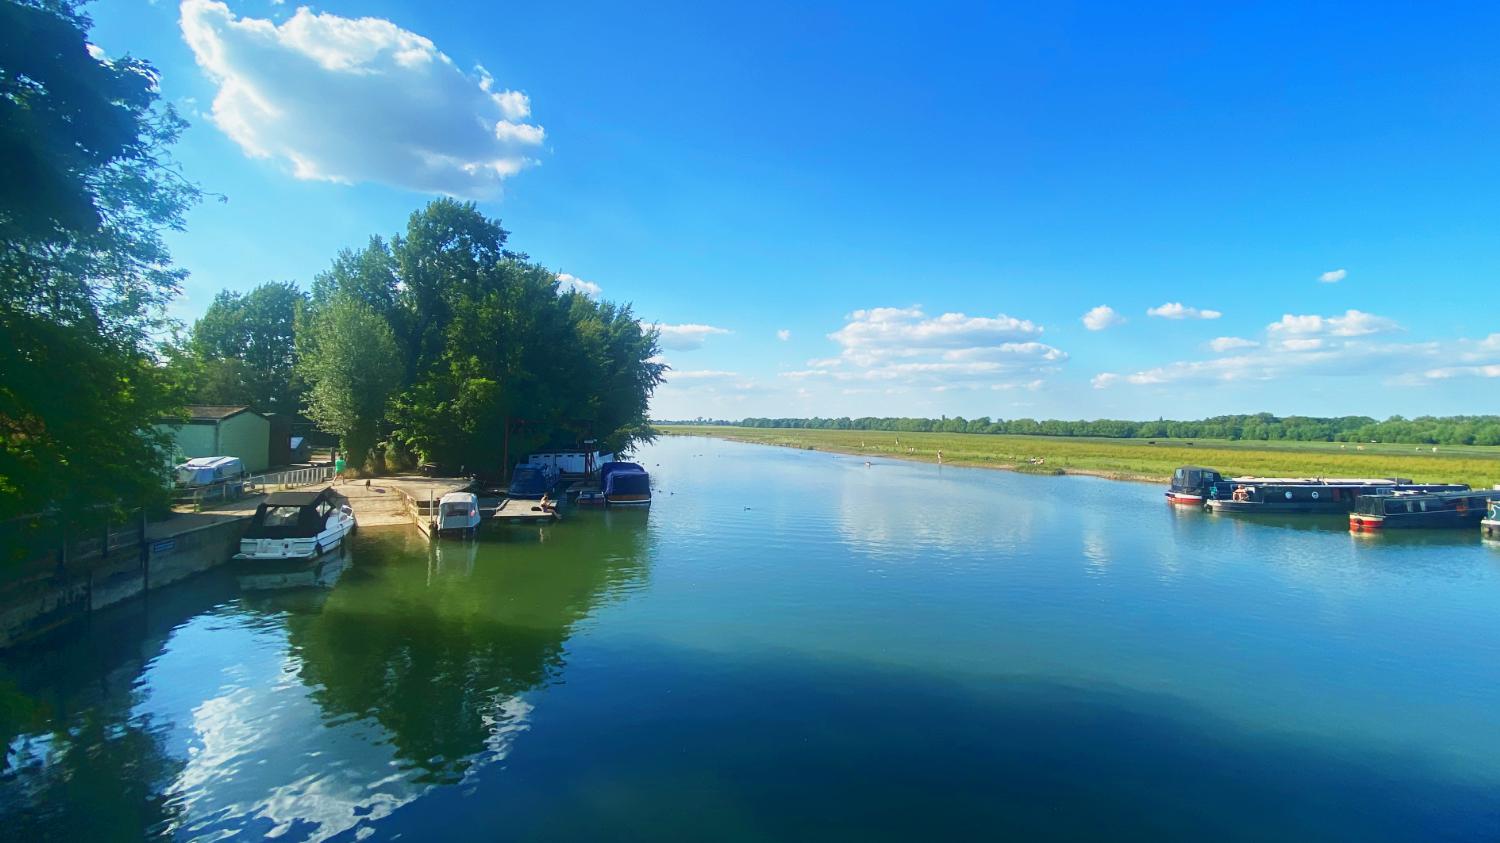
794	645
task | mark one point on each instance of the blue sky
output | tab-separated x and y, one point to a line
890	210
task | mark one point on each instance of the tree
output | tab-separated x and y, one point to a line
245	345
349	358
86	190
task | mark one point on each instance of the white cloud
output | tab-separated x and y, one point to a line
571	283
906	347
1102	317
358	100
686	337
783	335
1222	344
1334	276
1178	310
1328	346
1354	323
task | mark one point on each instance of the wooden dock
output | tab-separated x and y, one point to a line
523	511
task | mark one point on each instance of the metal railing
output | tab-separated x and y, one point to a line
290	479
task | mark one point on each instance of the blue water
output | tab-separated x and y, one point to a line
793	644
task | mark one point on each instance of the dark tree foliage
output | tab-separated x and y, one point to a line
1426	430
489	351
243	349
86	191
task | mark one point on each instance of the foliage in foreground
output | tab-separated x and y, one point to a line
86	191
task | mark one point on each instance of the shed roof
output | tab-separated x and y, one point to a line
214	412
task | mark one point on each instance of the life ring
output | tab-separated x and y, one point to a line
1463	505
1315	495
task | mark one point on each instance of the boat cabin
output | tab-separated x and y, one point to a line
1190	484
532	480
1419	509
297	525
458	512
626	484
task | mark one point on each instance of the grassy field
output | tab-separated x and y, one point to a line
1137	459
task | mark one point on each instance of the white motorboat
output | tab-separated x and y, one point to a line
296	525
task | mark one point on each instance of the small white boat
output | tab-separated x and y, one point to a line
296	525
458	513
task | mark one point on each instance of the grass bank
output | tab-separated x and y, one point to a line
1137	459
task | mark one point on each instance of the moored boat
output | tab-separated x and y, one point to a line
296	525
532	481
458	513
1490	526
625	484
1190	485
1311	495
1384	511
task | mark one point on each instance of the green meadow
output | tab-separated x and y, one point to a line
1137	459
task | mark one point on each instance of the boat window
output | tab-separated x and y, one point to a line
1424	505
1409	507
282	516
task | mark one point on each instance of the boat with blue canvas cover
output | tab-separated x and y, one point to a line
532	480
625	484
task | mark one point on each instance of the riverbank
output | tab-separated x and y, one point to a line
1133	459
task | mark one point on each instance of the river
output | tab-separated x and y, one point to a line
793	644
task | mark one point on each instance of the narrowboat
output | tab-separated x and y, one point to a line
458	514
532	480
1418	509
296	525
1312	495
625	484
1491	525
1190	485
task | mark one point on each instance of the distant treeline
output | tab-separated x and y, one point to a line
1425	430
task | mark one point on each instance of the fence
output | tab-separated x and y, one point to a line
48	540
229	490
289	479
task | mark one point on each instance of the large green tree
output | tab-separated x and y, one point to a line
244	349
491	350
87	189
348	356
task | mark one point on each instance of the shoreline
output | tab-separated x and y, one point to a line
1014	468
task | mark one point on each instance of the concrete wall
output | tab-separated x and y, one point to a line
39	607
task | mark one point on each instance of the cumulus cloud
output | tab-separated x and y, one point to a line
783	335
1102	317
573	284
1334	276
1327	346
1178	310
1354	323
686	337
358	100
906	347
1222	344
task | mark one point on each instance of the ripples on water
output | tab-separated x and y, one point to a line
793	644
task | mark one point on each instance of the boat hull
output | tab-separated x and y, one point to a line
293	549
1490	527
1185	499
1329	507
1448	519
627	500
